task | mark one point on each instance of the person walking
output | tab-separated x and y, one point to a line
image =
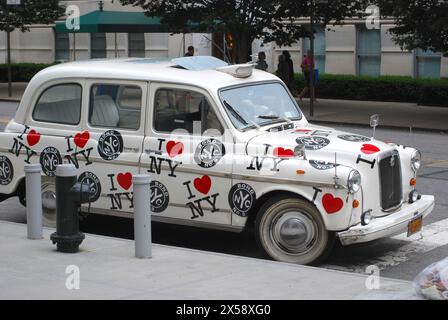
261	63
289	79
307	67
190	52
282	69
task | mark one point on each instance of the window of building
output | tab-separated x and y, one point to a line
369	51
184	109
115	106
136	45
319	48
98	45
59	104
427	63
62	47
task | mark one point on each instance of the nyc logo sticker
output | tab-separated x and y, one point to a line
94	184
160	197
313	143
49	159
209	152
241	199
110	145
6	171
353	138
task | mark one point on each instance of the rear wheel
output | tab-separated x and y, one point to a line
49	203
292	230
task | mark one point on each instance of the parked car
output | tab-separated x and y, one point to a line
227	147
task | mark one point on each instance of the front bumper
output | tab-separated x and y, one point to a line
387	226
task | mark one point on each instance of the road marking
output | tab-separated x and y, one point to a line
432	236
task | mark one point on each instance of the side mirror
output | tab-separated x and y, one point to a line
374	121
299	151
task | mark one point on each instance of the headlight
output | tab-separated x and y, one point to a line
354	181
416	160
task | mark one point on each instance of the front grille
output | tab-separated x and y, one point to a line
390	181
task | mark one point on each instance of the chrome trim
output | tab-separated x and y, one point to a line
382	156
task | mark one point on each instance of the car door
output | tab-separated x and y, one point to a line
186	155
112	138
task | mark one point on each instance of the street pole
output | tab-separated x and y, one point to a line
312	59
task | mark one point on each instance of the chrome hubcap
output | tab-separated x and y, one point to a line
49	200
294	232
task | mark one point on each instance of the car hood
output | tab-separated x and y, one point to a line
321	143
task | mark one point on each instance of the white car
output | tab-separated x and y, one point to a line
226	146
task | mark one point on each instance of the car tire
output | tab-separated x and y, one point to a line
49	202
292	230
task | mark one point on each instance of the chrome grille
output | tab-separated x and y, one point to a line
390	181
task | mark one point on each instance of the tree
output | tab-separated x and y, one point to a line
247	20
419	23
29	12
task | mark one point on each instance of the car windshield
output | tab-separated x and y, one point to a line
258	105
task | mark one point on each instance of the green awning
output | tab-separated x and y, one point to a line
120	21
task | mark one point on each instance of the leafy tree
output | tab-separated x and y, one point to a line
29	12
247	20
419	23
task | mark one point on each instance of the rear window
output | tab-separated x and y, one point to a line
59	104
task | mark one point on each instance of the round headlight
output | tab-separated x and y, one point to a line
416	160
366	217
354	181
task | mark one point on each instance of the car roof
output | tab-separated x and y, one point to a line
147	69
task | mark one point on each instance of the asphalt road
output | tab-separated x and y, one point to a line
397	257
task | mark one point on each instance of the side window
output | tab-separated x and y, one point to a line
115	106
180	109
59	104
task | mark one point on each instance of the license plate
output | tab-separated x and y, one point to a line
415	225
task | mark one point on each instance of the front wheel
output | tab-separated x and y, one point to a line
292	230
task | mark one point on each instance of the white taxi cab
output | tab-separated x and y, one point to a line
227	147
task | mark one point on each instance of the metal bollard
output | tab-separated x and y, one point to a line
33	201
142	216
70	194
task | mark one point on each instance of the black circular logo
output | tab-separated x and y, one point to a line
321	165
313	143
159	196
209	152
353	138
241	199
94	184
6	171
50	158
110	145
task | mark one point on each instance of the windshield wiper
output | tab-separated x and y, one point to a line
270	117
235	113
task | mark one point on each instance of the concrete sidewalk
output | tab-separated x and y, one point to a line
331	111
33	269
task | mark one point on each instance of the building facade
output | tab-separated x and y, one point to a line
348	49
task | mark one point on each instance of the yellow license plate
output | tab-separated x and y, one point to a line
415	225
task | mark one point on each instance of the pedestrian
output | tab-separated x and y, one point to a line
290	71
261	63
282	69
190	52
307	67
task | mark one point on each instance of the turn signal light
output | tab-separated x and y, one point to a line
300	171
355	203
413	182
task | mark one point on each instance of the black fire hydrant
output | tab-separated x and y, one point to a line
70	194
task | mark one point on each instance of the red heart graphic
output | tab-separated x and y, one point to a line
125	180
283	153
174	148
203	184
369	148
33	137
81	138
332	204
